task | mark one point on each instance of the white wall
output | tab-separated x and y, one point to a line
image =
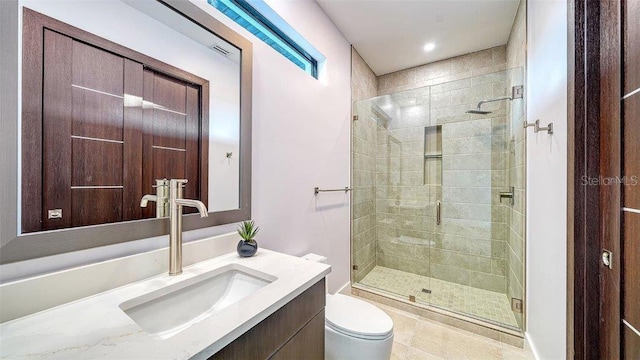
301	140
547	179
301	136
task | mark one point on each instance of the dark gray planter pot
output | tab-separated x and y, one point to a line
247	248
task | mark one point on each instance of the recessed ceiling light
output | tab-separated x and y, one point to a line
429	47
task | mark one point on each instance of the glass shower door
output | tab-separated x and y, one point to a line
402	202
438	200
469	263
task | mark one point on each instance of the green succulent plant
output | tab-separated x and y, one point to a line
248	230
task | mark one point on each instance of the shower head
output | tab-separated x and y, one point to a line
516	93
479	110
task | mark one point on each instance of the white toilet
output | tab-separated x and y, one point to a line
355	329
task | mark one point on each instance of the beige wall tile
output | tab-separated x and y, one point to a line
473	61
488	281
460	67
364	82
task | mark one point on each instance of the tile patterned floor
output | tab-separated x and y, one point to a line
467	300
417	338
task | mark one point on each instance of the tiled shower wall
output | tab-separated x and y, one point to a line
516	57
474	228
480	241
363	85
405	199
469	247
439	72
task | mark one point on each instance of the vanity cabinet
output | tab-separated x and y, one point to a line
295	331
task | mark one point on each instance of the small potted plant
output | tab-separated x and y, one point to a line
248	245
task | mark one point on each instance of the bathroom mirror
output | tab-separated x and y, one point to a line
115	95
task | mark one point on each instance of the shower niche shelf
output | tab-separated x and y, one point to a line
433	155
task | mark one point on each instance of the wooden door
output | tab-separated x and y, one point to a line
171	134
630	282
84	142
620	157
109	127
604	318
620	163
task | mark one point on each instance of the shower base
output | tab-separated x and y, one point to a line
477	303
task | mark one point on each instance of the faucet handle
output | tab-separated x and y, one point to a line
178	182
160	183
175	189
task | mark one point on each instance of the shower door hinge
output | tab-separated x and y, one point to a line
355	117
516	305
517	92
355	267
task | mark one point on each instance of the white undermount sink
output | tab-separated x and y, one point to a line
167	311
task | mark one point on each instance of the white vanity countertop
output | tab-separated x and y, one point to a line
96	328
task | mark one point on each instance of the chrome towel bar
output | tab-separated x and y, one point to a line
317	190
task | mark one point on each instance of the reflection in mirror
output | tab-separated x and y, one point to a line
224	127
110	110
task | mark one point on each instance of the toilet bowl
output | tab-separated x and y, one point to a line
355	329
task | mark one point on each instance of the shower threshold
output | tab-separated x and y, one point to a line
488	308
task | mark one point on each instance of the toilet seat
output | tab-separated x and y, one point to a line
357	318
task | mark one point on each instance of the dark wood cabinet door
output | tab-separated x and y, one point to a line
307	344
296	328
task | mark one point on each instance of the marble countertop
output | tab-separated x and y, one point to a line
96	328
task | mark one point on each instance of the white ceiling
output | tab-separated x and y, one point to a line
390	34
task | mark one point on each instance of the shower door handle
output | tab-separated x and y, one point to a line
438	212
508	195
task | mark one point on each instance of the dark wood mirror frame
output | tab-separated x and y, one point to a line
17	247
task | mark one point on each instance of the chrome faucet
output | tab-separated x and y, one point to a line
176	202
161	198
